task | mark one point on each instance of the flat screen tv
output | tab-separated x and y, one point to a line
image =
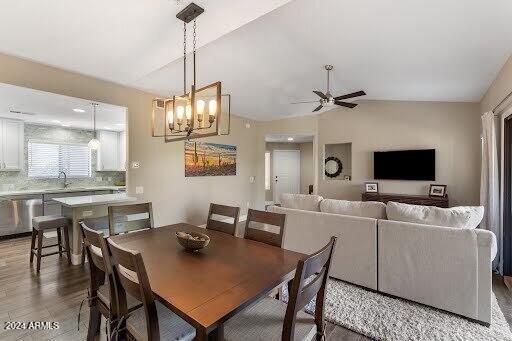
405	165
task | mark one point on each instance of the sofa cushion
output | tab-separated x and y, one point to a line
304	202
369	209
467	217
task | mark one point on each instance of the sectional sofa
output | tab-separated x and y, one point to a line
437	257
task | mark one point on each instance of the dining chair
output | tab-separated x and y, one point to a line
127	218
154	322
260	225
220	211
102	297
271	319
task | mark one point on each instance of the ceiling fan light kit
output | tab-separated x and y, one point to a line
197	112
327	100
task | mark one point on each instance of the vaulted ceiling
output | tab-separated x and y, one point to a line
269	53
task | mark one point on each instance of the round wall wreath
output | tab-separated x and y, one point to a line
339	167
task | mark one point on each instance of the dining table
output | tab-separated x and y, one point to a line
209	286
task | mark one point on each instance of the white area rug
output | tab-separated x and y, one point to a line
385	318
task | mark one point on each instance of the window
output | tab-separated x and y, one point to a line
48	159
267	171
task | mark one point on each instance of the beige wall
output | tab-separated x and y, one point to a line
306	165
499	88
161	173
453	129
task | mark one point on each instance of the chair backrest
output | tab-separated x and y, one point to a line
131	277
262	233
128	218
224	211
315	269
99	263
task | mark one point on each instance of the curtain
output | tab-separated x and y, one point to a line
489	183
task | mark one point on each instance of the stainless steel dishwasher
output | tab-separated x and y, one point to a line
16	213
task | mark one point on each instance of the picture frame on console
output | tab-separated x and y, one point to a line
437	191
371	187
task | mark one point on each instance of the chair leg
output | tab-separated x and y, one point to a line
59	241
39	248
66	240
33	245
94	323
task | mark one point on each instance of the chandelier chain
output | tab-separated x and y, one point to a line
184	57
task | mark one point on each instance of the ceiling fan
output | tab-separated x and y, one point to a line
328	100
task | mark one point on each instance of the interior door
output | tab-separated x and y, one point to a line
286	171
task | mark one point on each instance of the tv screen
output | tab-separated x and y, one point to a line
405	165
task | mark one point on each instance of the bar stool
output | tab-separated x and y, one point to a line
45	223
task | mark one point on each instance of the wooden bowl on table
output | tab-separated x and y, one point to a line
192	241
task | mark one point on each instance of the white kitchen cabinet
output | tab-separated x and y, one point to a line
12	142
122	150
112	151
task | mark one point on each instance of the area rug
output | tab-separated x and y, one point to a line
382	317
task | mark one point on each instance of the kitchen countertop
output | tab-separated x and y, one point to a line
60	190
95	200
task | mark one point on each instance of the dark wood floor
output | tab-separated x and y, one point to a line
55	295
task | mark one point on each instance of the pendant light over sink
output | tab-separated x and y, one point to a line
197	112
94	144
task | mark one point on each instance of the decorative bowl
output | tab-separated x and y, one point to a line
192	241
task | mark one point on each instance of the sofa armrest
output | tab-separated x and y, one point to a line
448	268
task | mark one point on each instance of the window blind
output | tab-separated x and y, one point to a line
48	159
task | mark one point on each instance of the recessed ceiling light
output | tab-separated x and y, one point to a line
108	128
56	121
290	139
78	110
66	125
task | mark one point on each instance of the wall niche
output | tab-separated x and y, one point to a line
338	161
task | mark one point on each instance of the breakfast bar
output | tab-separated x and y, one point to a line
87	207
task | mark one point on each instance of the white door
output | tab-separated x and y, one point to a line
12	141
122	150
286	173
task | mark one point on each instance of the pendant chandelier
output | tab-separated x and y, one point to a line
94	143
197	112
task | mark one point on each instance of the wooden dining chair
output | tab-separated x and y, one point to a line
224	211
154	322
127	218
270	319
259	226
102	296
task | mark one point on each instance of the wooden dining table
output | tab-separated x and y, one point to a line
207	287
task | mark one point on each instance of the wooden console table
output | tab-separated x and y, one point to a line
407	199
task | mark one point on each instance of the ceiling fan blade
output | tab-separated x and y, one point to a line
300	102
320	94
346	104
318	108
354	94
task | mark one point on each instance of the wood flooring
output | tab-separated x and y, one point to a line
56	292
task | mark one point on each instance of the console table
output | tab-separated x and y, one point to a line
407	199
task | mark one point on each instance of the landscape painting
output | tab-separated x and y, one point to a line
209	159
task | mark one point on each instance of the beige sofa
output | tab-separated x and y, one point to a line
444	267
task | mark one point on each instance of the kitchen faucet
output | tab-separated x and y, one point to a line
66	184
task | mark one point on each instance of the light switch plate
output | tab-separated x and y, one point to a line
251	179
86	214
139	190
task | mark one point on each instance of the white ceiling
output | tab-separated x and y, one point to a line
297	138
39	107
268	53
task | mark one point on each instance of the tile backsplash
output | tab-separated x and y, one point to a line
20	180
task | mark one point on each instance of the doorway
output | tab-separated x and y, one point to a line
286	173
507	197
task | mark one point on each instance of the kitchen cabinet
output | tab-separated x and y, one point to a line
11	145
112	151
